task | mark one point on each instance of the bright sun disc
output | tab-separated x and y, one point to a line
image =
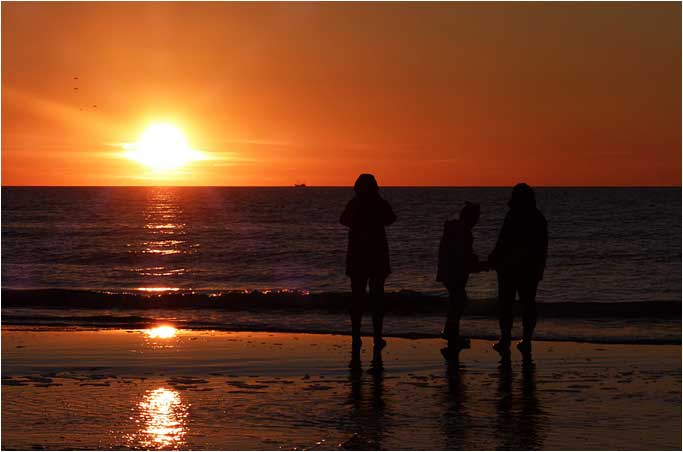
163	147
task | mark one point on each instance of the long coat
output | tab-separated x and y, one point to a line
367	255
522	246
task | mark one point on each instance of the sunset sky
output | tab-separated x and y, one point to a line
273	94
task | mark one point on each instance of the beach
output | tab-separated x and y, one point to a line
209	210
185	389
252	281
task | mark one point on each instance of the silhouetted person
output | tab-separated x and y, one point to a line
367	260
519	258
456	261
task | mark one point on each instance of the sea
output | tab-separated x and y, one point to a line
272	259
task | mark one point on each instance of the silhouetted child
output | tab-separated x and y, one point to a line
367	261
519	259
456	261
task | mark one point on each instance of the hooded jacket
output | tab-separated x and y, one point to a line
456	256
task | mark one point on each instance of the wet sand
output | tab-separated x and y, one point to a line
114	389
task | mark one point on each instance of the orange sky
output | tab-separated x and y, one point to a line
419	94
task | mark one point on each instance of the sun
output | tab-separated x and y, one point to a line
162	147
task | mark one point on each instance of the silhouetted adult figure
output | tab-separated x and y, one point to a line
456	261
367	261
519	259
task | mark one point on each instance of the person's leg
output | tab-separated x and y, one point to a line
506	298
457	298
358	295
377	306
451	329
527	295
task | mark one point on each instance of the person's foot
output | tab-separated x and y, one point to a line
463	343
502	347
450	355
460	343
524	347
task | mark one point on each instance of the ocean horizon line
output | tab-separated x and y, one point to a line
339	186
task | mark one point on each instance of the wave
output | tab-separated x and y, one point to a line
239	325
397	303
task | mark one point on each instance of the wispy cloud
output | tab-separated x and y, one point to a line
257	142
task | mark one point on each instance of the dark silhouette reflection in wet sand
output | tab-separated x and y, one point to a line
368	417
520	420
455	421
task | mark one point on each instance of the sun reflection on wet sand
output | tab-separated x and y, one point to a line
161	332
163	419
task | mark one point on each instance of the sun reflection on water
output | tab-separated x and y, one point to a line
163	419
162	239
158	289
